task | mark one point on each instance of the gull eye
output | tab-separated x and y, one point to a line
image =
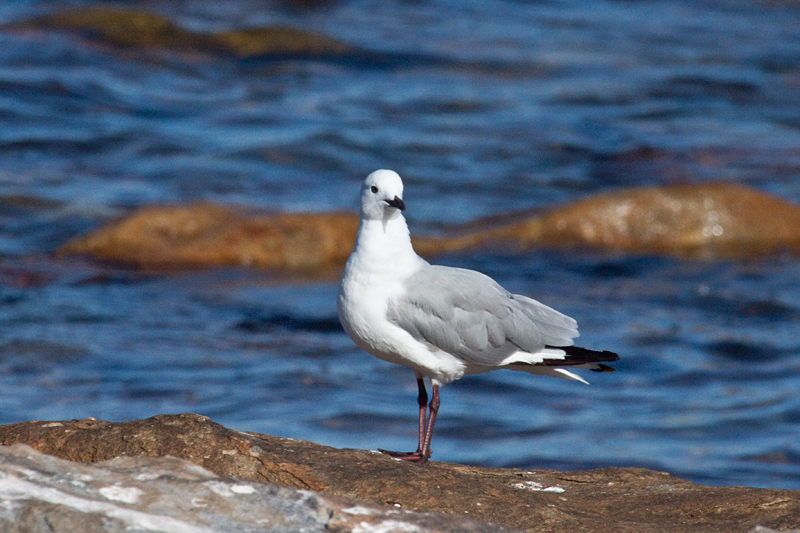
374	189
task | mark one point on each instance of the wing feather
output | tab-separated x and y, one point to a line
469	315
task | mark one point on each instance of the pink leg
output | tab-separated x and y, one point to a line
423	452
422	400
434	408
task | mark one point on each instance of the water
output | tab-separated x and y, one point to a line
484	108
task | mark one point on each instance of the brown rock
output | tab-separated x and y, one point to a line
44	493
212	235
277	40
139	29
123	28
609	499
715	219
701	221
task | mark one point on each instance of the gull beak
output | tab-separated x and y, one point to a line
397	202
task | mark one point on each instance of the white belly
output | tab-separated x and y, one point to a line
362	312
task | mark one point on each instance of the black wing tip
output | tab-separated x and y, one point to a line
577	356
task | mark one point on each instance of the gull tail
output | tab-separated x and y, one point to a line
578	357
567	356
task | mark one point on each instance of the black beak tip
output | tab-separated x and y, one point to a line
398	203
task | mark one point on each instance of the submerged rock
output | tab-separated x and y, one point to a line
124	28
609	499
716	220
140	29
212	235
277	40
707	220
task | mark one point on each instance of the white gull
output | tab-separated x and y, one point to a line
443	322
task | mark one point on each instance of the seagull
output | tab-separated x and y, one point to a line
440	321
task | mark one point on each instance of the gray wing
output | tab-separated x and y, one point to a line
470	315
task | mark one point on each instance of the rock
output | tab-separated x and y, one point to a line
609	499
211	235
713	220
277	41
697	221
139	29
707	220
43	493
121	28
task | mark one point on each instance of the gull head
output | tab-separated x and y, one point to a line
382	195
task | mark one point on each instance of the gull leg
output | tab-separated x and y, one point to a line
434	407
422	399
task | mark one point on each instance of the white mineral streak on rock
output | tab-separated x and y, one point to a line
14	488
386	526
360	510
243	489
533	485
227	490
122	494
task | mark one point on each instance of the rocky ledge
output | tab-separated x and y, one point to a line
187	473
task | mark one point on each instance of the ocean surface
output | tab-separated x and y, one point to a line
484	107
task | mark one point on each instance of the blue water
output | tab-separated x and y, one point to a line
484	108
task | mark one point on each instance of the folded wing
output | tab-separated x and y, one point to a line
469	315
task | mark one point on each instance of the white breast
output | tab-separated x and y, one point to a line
362	303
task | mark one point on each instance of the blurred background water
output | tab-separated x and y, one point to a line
484	108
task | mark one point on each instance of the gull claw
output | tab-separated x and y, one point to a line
411	457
